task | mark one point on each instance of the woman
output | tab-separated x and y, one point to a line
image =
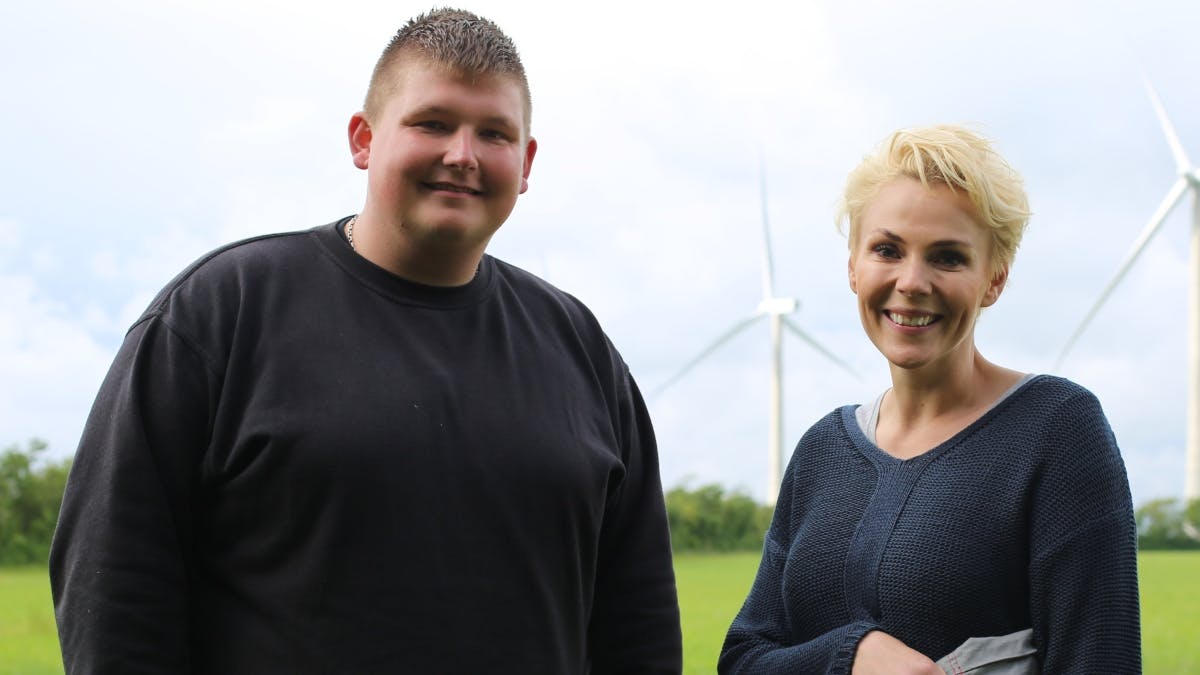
969	500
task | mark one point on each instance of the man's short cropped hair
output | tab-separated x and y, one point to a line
463	43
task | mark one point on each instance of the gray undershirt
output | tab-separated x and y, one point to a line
867	414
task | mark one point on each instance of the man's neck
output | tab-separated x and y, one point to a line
445	265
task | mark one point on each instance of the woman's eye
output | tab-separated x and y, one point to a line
950	259
885	250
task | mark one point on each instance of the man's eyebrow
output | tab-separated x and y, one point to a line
495	120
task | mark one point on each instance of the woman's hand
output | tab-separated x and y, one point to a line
881	654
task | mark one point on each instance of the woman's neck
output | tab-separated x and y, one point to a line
927	407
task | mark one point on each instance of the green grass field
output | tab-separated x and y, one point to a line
28	639
711	589
1170	590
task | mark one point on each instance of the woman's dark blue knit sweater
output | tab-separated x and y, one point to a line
1023	519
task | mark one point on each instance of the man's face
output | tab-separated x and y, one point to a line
446	156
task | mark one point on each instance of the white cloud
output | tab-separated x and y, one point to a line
50	367
211	121
104	265
10	238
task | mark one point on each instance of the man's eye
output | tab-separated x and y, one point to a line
432	125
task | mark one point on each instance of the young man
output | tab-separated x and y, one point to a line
370	447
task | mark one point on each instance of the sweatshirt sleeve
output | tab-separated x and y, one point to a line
760	639
1083	549
118	563
635	616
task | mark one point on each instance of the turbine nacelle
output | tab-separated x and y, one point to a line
781	306
777	309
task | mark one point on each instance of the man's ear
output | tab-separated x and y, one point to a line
359	134
995	288
530	151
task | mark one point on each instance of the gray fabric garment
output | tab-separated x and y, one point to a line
1012	654
867	414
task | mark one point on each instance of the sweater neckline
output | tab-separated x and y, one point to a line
333	242
879	456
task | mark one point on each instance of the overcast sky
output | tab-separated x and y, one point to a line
135	135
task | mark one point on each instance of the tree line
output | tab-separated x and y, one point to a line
31	493
708	518
1168	524
704	518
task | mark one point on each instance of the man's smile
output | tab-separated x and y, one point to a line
451	187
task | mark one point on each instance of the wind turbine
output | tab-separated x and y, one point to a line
776	309
1188	180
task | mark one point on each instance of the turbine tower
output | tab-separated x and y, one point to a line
1188	181
775	308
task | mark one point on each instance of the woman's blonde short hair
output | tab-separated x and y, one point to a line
953	156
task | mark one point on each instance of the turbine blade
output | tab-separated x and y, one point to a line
1182	163
768	265
714	346
812	342
1156	221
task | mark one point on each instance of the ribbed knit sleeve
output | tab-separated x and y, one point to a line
757	642
634	626
1083	553
772	635
118	566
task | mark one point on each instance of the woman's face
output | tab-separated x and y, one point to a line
921	268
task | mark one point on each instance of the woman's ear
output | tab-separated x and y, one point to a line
995	288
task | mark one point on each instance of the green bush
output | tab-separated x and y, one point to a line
30	496
1167	524
710	519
